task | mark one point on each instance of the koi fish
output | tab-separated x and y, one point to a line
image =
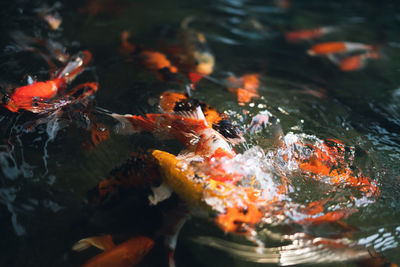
338	47
189	127
245	87
235	204
327	160
357	62
37	96
152	60
126	254
303	35
174	102
196	58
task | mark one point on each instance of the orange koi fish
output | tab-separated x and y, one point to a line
172	102
126	254
245	87
357	62
338	47
36	97
152	60
303	35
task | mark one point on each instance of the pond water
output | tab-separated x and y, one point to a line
47	171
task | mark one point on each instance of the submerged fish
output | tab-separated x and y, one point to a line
152	60
138	171
245	87
193	56
357	62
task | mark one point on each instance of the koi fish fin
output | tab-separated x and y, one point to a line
195	77
196	114
230	131
103	242
130	124
160	194
75	66
126	47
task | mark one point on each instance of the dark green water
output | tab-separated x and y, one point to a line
44	182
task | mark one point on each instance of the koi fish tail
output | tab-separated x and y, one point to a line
75	66
103	242
126	47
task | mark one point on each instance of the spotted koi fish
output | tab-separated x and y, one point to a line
155	61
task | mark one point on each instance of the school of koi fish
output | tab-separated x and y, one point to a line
246	190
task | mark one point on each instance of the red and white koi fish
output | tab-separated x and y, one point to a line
189	127
38	96
304	35
357	62
324	49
